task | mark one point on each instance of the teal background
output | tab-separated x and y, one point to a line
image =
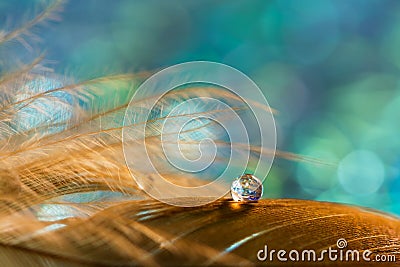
331	68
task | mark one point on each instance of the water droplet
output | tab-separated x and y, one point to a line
246	188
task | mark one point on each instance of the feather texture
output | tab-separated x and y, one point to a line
224	233
67	197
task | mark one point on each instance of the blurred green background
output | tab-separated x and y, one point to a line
331	68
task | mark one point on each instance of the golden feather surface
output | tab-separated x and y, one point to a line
150	233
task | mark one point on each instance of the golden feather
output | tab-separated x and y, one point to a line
68	199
